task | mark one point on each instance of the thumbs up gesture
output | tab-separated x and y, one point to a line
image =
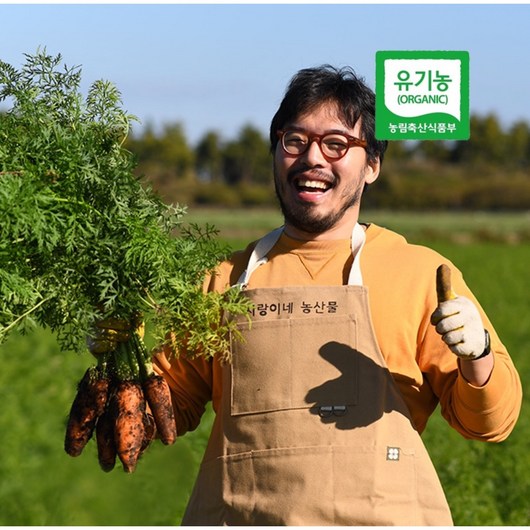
457	320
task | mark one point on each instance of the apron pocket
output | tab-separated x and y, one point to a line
278	487
375	486
266	365
308	486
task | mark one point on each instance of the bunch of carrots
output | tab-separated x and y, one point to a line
125	403
84	238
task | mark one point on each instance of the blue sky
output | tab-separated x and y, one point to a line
221	66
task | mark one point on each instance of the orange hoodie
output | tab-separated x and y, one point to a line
400	278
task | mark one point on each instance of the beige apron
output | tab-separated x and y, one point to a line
312	429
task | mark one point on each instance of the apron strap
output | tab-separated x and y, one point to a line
259	255
358	239
265	244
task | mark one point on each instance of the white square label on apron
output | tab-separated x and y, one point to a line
392	453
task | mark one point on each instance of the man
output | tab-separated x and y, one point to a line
319	413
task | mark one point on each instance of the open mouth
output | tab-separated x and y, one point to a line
312	185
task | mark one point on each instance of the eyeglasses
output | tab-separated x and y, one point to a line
333	145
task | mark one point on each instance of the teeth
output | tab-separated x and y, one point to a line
313	184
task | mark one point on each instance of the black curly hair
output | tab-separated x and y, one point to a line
311	87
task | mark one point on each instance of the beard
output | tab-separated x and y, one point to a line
305	216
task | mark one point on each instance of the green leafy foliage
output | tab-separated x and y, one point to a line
81	238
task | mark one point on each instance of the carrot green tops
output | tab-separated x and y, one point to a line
400	280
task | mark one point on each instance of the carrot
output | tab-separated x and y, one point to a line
157	394
88	405
158	397
105	441
128	409
444	291
150	432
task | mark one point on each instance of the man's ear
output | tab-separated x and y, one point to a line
371	171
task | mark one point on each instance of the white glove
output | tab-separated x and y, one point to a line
458	322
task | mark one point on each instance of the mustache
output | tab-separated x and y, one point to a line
312	173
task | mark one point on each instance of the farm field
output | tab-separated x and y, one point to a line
486	484
239	227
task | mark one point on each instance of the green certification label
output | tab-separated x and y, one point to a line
422	95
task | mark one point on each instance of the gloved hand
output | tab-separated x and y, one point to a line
111	331
458	321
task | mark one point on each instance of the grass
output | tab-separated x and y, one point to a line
486	484
41	485
240	227
489	484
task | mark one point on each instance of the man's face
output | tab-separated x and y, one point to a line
316	194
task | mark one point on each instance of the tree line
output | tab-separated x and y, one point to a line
490	171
